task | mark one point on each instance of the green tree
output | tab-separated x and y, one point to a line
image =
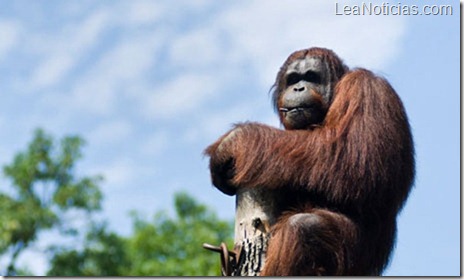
164	246
103	254
173	247
45	192
43	189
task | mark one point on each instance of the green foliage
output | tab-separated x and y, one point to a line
44	188
173	247
103	254
164	246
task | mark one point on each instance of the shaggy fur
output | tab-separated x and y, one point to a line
343	182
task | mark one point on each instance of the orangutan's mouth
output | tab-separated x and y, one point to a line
299	109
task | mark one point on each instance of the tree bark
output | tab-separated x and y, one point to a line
256	212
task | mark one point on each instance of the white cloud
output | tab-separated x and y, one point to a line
155	144
140	12
359	43
111	132
129	59
85	34
180	96
267	35
62	51
198	49
118	174
261	38
9	34
242	35
52	70
125	64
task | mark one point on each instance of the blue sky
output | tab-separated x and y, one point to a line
149	84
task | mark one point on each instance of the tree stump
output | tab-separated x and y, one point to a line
256	212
